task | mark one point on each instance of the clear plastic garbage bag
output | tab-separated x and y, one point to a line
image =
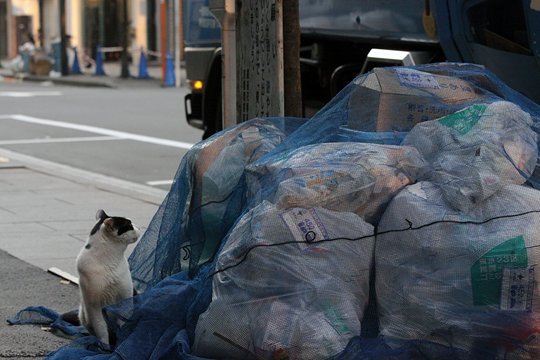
206	198
289	283
464	280
349	177
477	151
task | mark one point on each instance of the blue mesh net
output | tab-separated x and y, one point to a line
206	198
349	235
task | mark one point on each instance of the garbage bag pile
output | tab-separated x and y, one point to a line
401	221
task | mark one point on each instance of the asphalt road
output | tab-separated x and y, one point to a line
134	133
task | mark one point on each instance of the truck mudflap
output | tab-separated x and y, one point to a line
193	109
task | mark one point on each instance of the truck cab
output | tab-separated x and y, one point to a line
202	41
343	38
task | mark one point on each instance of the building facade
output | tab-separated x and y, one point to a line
88	23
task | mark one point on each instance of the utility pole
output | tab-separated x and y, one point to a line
253	58
291	59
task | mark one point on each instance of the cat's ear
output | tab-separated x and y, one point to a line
109	223
100	215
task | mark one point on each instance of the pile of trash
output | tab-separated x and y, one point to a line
401	221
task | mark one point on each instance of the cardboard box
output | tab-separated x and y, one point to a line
396	99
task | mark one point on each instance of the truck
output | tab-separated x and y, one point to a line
343	38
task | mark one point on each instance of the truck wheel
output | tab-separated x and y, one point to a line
216	124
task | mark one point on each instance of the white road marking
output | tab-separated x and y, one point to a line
27	94
56	140
159	182
99	130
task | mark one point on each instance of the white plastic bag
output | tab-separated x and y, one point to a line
290	283
477	151
217	170
349	177
465	280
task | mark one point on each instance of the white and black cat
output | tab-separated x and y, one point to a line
104	276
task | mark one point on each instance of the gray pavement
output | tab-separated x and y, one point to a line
46	212
25	285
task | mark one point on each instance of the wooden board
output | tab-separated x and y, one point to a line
64	275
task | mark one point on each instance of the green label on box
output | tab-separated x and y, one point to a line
464	120
487	272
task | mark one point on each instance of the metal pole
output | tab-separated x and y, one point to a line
177	42
63	43
225	12
101	35
163	37
41	21
125	25
292	85
181	29
229	64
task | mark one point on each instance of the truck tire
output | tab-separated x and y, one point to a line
214	124
212	102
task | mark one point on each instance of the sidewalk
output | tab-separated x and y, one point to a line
110	80
46	212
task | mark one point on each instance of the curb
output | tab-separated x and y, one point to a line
77	80
87	79
101	182
82	81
